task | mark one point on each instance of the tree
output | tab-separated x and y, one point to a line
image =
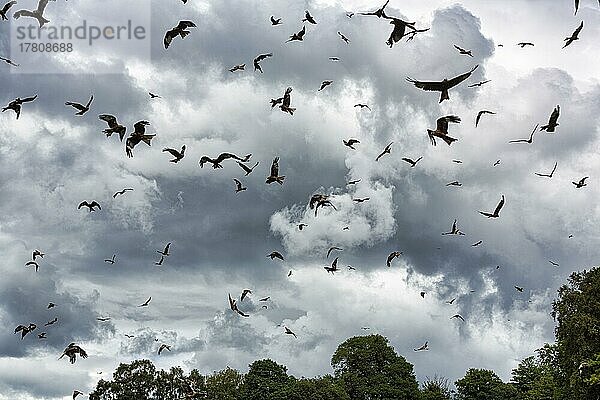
534	377
323	388
263	380
436	388
369	369
130	382
224	385
577	331
483	384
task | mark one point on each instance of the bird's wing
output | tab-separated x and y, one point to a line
262	57
28	99
169	36
275	167
555	115
78	106
456	80
499	206
90	101
83	203
429	86
173	152
95	204
109	119
479	114
185	24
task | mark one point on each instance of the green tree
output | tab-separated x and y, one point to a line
436	388
576	311
264	378
130	382
534	377
224	385
483	384
369	369
323	388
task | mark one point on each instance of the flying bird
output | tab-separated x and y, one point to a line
154	96
113	126
180	30
422	294
442	86
422	348
216	162
111	260
581	183
9	61
523	44
239	67
479	114
137	136
5	9
177	154
51	305
234	307
33	264
238	186
90	206
332	249
165	251
42	335
441	130
550	174
454	183
553	121
343	37
51	322
387	150
274	255
245	293
496	212
71	351
574	36
350	143
554	263
353	182
82	109
333	268
258	59
463	51
37	14
265	298
36	253
379	13
393	254
361	200
530	140
25	329
275	21
286	102
519	289
289	332
361	105
334	59
274	176
121	192
160	261
477	243
478	84
324	84
458	316
163	347
451	301
247	169
399	30
145	304
412	162
16	104
297	36
454	230
103	319
308	18
76	393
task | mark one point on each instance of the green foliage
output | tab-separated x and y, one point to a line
534	377
263	380
369	369
436	388
323	388
483	384
224	385
576	311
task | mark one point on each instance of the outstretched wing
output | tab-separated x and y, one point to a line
169	36
28	99
554	116
95	204
7	6
185	24
261	57
109	119
499	206
456	80
75	105
429	86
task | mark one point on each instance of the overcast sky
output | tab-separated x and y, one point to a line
51	160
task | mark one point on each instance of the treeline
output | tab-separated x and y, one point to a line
368	368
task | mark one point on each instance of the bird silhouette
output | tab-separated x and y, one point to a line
350	143
247	169
121	192
76	393
154	96
387	150
581	183
463	51
234	307
180	30
239	67
33	264
550	174
391	256
523	44
442	86
343	37
113	126
274	176
138	135
362	105
36	253
479	84
289	332
425	347
258	59
111	260
275	21
9	61
333	248
90	205
458	316
574	36
145	304
333	268
399	30
37	14
238	186
412	163
5	9
379	13
82	109
324	84
216	162
496	212
529	141
16	104
297	36
275	254
25	329
177	154
479	114
454	230
245	293
163	347
308	18
454	183
71	351
165	251
553	121
441	130
361	200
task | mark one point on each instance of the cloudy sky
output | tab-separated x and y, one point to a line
51	160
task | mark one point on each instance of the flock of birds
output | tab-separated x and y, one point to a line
401	29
